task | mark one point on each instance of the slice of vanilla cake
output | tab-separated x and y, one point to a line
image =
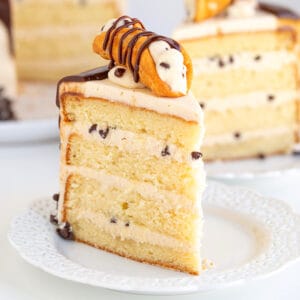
131	170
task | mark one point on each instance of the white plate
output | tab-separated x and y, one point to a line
251	168
28	131
247	236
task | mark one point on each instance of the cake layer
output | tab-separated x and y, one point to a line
88	232
256	42
224	84
253	147
243	119
128	141
48	71
65	12
143	119
65	43
146	216
163	172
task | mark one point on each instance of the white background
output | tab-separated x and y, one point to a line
28	172
162	16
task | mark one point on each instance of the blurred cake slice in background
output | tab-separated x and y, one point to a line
246	80
132	174
52	36
7	66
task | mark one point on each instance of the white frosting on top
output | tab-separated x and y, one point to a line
7	67
123	77
272	60
224	25
169	66
185	107
242	8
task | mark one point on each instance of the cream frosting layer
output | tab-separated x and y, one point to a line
222	25
252	100
165	199
7	67
137	233
185	107
273	60
131	142
248	135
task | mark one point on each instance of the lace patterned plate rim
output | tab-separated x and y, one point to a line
273	225
251	168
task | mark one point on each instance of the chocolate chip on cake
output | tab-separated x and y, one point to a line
237	135
55	197
104	133
113	220
119	72
271	98
196	155
127	224
257	57
231	59
66	232
53	220
165	151
261	156
202	105
165	65
221	63
93	128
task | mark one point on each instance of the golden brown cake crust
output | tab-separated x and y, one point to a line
164	265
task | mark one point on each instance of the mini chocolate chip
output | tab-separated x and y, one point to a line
196	155
104	133
53	220
127	224
271	98
231	59
183	75
6	112
165	65
202	105
113	220
66	232
119	72
257	57
93	128
55	197
165	151
261	156
237	135
221	63
102	28
167	49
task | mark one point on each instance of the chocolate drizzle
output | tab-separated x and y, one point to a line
278	11
94	74
125	56
5	17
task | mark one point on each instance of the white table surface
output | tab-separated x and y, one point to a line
29	172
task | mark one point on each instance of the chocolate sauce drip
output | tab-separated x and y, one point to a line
94	74
126	55
5	17
278	11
